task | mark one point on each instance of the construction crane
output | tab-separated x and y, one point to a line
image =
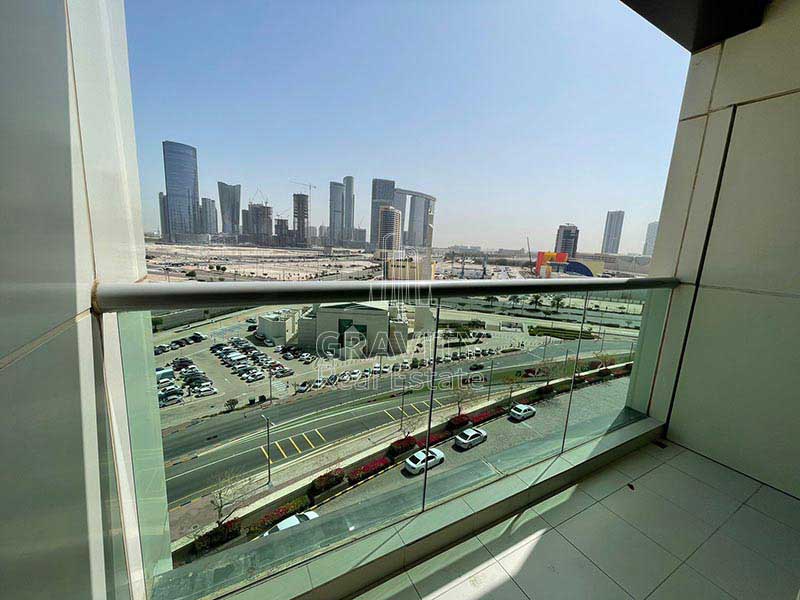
304	184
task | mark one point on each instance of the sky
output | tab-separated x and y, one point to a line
517	115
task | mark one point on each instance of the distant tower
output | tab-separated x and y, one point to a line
336	207
180	176
382	195
650	238
613	232
348	218
420	220
208	220
300	222
389	229
229	206
567	239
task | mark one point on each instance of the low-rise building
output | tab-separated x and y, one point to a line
280	326
349	329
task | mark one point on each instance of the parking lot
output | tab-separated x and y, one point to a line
595	409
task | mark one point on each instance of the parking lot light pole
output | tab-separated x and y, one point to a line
269	459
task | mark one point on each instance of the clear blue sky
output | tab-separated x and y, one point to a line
516	115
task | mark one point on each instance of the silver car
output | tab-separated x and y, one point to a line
417	462
520	412
470	437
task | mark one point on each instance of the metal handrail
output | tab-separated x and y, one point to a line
122	297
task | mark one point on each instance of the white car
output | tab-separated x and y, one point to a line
520	412
417	462
205	392
405	365
470	437
376	368
344	376
318	384
291	522
355	375
257	376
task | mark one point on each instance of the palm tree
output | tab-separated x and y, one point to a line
491	299
556	302
535	300
513	300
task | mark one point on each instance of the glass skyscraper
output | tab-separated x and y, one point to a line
229	206
180	176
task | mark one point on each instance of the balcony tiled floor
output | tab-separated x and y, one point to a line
660	523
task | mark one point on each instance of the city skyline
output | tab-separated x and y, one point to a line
525	161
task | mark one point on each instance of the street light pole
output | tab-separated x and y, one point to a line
491	372
270	385
269	460
403	404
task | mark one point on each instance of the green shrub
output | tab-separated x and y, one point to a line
325	482
398	447
279	514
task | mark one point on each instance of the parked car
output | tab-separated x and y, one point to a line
355	375
476	366
470	437
205	392
303	387
418	462
520	412
251	319
376	368
291	522
257	376
318	384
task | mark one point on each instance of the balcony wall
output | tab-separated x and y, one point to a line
730	231
71	214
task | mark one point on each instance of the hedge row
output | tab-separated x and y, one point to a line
457	422
368	469
218	536
485	415
326	481
277	515
436	437
398	447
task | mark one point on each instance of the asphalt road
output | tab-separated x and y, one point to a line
235	443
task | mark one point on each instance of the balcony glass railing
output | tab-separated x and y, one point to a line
265	435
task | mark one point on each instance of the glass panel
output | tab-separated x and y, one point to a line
491	359
276	431
601	401
267	435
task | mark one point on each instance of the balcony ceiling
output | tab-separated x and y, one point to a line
697	24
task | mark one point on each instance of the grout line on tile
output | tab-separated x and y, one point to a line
624	591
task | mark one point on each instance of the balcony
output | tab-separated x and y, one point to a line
302	453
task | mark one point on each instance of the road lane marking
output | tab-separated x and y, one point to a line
419	412
296	447
320	435
404	412
437	402
309	441
263	450
281	449
390	415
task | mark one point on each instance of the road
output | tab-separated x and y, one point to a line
234	443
